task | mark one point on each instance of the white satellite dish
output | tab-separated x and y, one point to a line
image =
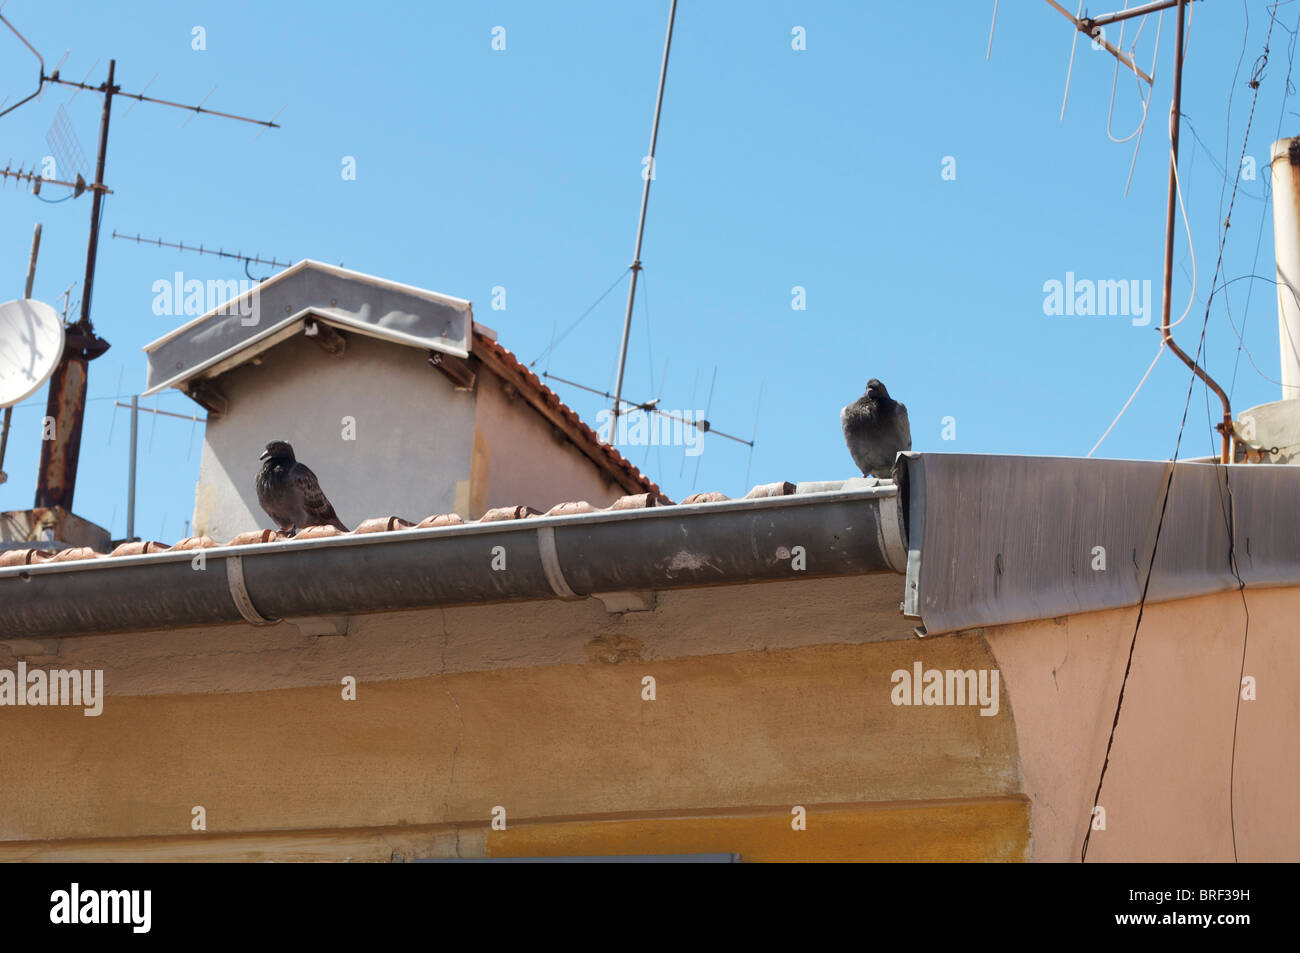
31	343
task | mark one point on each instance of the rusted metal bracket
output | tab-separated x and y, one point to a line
208	396
327	338
461	371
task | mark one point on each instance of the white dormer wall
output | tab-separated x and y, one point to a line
385	433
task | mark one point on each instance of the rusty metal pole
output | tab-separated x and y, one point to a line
130	479
31	262
27	293
66	404
1175	121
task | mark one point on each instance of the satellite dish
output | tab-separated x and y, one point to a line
31	343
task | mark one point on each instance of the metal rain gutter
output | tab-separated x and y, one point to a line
844	532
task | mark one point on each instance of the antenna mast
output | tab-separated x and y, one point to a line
66	403
648	174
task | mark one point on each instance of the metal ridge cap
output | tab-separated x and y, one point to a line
195	322
309	264
412	534
248	344
366	278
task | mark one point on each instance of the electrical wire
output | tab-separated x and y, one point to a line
1114	83
1146	103
1200	347
1287	90
623	273
1100	439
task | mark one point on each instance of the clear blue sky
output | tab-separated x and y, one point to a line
820	168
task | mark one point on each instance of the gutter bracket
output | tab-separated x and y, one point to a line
333	625
627	600
551	563
34	650
239	593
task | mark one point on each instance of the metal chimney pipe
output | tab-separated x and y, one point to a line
1284	160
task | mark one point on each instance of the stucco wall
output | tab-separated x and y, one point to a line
767	697
414	434
519	459
1166	793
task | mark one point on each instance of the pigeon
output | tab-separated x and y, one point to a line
290	493
876	430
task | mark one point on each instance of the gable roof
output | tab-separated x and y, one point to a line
271	311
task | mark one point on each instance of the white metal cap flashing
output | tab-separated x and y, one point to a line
259	318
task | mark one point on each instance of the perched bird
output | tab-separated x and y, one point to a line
876	430
290	493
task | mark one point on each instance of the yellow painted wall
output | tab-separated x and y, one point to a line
578	759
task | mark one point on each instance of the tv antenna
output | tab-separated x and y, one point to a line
647	174
620	404
253	259
66	403
1093	27
64	144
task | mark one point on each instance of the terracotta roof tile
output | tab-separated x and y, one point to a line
141	547
785	488
571	509
198	542
704	498
442	519
78	552
24	557
508	513
383	524
254	536
317	532
639	501
380	524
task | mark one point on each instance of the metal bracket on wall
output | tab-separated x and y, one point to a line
333	625
631	600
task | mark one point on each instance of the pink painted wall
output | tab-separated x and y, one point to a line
1166	791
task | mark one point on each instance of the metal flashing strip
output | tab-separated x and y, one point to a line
1004	539
369	305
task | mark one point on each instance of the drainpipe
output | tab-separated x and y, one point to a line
1285	163
1175	120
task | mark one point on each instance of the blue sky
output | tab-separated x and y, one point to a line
777	168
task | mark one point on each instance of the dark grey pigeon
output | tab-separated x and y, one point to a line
290	493
876	430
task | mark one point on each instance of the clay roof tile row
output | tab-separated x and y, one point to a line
378	524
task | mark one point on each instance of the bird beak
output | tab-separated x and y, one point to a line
265	454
